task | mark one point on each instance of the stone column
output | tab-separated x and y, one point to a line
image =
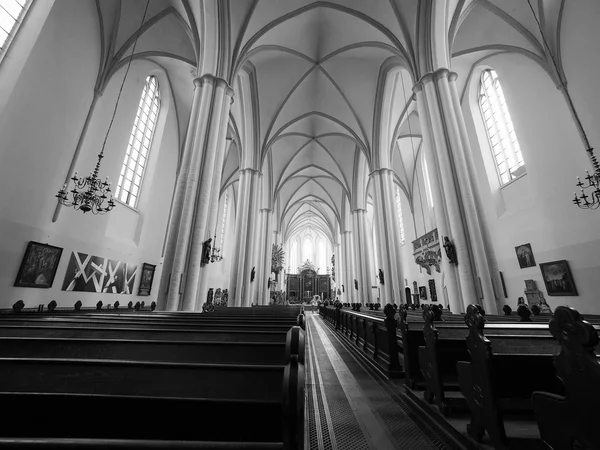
241	265
214	151
213	216
348	261
450	219
486	246
265	248
339	271
362	256
182	211
388	233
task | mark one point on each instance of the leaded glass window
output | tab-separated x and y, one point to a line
138	148
500	130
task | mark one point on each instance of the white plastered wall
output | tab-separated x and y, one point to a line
39	129
537	208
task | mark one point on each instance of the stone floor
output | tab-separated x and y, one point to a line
347	407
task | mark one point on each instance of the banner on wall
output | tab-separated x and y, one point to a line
88	273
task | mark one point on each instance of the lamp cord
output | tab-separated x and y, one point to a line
560	78
125	77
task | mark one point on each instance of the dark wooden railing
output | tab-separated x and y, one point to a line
374	336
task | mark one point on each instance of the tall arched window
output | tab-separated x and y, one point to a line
223	223
500	130
12	13
307	249
294	256
399	212
321	255
132	172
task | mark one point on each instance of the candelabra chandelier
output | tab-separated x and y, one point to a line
584	201
216	252
591	201
90	193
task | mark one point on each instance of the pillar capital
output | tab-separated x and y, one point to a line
209	78
436	75
250	171
266	210
359	210
380	171
346	232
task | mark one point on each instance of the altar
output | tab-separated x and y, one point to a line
303	286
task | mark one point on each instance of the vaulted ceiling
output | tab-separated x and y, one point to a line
322	109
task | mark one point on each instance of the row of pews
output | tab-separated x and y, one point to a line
520	382
230	379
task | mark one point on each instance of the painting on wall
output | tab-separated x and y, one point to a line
38	266
88	273
147	278
432	290
422	292
525	256
557	278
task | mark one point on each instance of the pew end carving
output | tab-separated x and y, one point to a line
569	422
476	385
429	363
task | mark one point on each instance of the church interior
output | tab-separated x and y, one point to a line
335	224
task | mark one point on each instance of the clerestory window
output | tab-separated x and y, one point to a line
12	13
138	148
500	130
223	223
399	213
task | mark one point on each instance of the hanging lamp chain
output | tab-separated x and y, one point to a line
137	36
89	193
592	180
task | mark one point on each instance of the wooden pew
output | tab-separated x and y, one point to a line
570	421
162	323
500	380
153	333
144	350
373	336
232	391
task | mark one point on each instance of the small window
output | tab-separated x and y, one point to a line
12	13
500	130
427	183
223	223
399	213
132	172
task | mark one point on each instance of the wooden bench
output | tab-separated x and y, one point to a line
144	350
136	386
569	421
141	324
153	333
373	336
500	380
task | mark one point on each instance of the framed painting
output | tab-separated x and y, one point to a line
147	278
525	256
38	266
557	278
422	292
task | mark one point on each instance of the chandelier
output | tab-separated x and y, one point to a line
584	201
90	193
216	252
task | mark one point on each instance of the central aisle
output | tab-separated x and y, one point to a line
347	408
